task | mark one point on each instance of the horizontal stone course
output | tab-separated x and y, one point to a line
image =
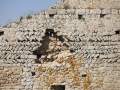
72	46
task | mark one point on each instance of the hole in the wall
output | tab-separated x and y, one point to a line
84	75
43	51
50	32
117	32
80	16
34	30
33	73
19	40
102	15
5	53
51	15
97	56
18	57
72	50
58	87
34	40
1	33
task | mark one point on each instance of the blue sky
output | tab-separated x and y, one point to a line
12	9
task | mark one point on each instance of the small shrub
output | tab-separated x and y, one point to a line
29	17
21	18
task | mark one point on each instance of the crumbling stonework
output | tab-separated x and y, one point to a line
74	45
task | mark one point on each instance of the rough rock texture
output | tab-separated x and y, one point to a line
74	45
90	4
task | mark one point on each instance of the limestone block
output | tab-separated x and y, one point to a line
106	11
87	58
95	11
114	11
81	11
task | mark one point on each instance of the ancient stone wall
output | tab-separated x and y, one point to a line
72	49
108	4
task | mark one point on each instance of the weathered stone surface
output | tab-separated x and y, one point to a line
10	77
89	4
75	43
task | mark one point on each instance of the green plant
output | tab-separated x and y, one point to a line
21	18
28	16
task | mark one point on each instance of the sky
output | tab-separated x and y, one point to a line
13	9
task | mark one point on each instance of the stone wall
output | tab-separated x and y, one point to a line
90	4
78	48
